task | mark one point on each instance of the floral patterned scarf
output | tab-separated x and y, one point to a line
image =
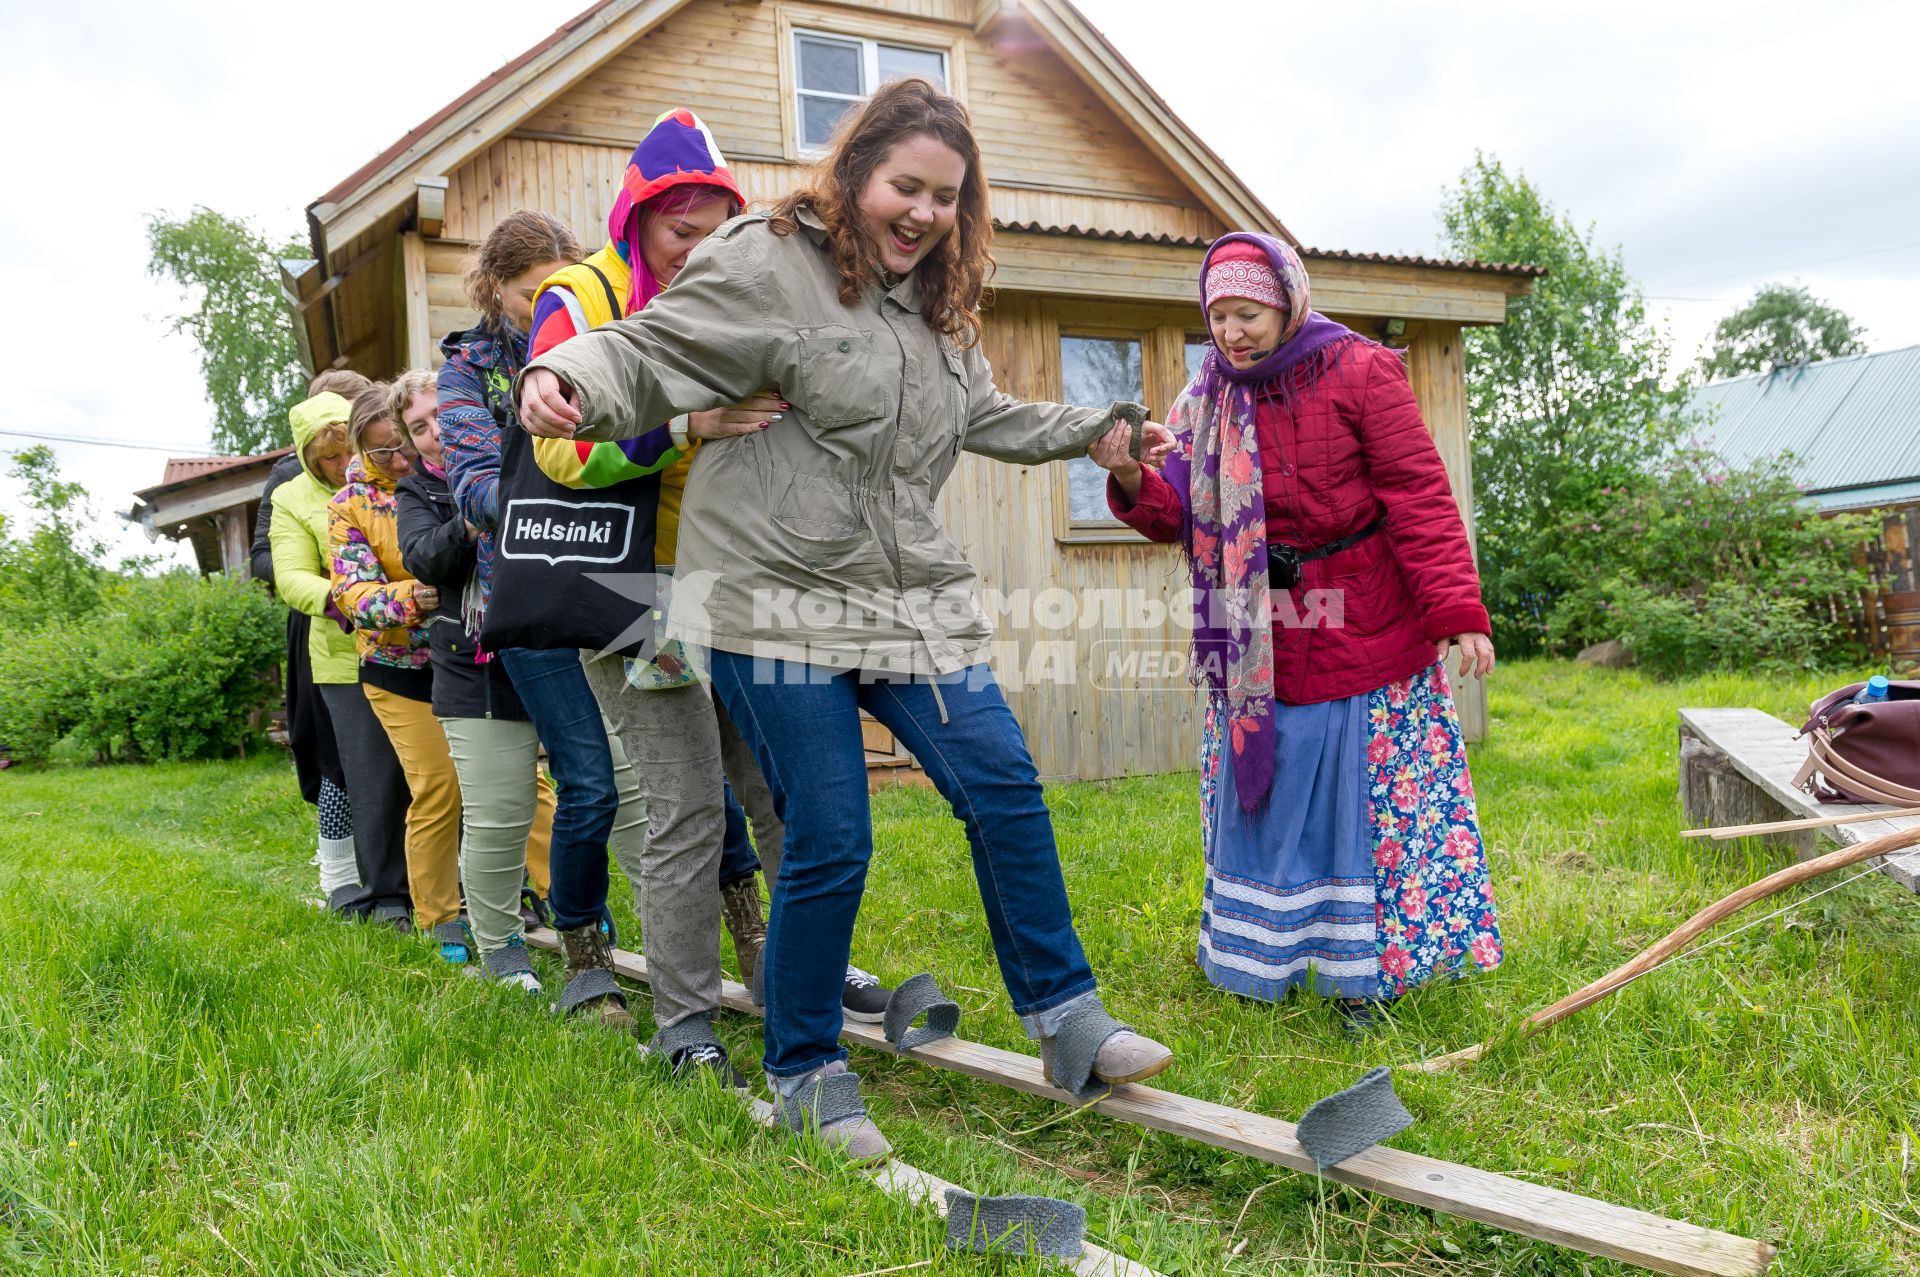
1218	465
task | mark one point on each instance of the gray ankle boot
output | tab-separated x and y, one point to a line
825	1105
1088	1051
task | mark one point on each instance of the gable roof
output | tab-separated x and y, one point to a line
1853	424
496	104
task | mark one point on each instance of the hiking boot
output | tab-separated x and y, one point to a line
746	922
691	1051
456	944
588	953
825	1106
863	997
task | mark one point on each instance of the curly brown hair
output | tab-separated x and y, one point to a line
521	241
953	277
341	381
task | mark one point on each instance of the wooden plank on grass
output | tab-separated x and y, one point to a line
1764	751
920	1188
1532	1210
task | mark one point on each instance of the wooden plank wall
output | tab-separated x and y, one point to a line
1002	518
1436	365
1037	123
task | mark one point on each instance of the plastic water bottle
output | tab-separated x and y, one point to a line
1874	692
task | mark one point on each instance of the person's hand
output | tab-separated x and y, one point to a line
1156	444
427	598
1112	451
473	533
1476	653
546	405
747	417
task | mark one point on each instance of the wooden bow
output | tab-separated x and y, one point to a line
1671	944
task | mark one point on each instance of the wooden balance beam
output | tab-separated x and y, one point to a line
1531	1210
901	1180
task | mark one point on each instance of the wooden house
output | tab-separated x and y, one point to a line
208	502
1104	203
1852	427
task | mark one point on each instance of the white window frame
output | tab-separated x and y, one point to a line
869	72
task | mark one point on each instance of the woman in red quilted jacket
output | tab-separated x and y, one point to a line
1342	846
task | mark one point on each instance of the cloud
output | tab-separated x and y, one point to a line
1708	141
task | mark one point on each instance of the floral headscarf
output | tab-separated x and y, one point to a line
1218	464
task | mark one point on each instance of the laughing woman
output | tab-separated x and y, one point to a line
859	299
1342	846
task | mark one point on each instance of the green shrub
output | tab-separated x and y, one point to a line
1700	566
44	676
169	667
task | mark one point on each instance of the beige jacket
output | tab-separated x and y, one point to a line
815	540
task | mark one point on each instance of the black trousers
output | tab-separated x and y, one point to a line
380	797
309	729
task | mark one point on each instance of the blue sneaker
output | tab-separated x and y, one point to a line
456	944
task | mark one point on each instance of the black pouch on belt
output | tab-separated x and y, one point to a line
1284	562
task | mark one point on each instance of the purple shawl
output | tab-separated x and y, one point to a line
1217	468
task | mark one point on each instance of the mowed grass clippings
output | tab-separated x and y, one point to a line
200	1073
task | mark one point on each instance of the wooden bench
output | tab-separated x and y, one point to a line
1737	768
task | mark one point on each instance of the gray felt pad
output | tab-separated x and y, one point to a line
1017	1225
1357	1118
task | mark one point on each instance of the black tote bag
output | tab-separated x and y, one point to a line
572	567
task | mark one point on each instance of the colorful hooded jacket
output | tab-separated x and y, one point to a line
297	536
475	389
612	284
371	584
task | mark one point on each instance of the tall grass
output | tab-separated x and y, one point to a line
200	1073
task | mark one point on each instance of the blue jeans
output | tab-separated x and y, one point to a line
803	723
554	688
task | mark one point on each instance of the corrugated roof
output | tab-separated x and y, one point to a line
184	471
1522	269
1088	232
1852	423
1519	269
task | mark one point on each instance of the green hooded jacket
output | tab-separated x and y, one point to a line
302	573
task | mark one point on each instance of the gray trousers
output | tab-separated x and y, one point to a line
675	743
500	792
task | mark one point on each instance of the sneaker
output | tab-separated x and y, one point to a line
1125	1056
706	1059
534	913
508	965
863	997
456	944
852	1134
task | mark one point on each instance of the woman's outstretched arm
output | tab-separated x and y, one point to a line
704	343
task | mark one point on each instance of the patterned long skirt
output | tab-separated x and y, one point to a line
1284	903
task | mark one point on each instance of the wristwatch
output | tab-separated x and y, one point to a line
678	429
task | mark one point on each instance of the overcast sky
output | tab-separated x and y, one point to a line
1719	145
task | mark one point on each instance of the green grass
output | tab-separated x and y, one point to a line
201	1074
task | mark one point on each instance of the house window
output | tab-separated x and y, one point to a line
1197	348
1094	373
837	71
